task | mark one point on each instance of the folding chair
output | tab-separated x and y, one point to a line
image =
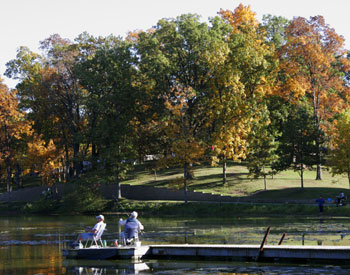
97	238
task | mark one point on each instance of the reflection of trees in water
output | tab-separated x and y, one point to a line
212	267
129	268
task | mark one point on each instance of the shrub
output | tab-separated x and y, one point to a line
84	199
43	205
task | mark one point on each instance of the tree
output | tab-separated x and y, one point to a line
13	130
262	148
297	147
174	57
52	96
340	154
109	79
43	157
312	65
240	80
275	27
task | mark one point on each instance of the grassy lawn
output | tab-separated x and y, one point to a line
285	185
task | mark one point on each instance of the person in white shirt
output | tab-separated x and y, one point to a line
90	232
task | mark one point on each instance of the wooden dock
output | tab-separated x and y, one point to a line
218	252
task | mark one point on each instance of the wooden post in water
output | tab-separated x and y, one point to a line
261	249
282	238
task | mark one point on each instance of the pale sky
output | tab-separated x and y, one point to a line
27	22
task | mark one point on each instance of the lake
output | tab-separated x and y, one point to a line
33	244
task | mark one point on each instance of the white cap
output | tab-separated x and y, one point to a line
134	214
100	217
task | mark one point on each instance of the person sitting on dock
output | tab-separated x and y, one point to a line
90	232
132	228
341	199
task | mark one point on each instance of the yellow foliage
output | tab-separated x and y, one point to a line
185	148
242	16
44	157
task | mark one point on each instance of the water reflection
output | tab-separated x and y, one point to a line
196	267
105	267
33	244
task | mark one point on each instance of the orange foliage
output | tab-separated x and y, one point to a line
312	62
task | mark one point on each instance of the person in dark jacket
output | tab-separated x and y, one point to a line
132	228
320	201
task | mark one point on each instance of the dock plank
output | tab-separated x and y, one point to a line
223	252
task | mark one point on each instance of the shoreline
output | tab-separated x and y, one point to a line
200	209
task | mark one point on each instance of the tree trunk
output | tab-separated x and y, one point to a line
66	172
264	177
302	175
224	166
118	191
94	156
9	173
319	161
7	160
76	162
18	176
318	143
185	181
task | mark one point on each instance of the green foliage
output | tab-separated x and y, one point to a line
83	199
42	206
262	150
297	146
183	90
110	100
274	27
340	155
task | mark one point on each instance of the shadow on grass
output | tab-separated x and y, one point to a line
158	183
207	185
298	193
215	180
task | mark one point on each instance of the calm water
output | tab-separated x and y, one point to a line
32	244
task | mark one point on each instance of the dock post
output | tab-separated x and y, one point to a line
282	238
303	239
261	249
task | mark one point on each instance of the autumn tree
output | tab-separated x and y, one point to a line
174	56
43	157
312	65
13	130
50	92
240	80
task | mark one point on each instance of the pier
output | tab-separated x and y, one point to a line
217	252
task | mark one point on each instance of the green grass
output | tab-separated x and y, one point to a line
285	185
202	209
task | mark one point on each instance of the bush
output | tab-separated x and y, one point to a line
43	205
84	199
